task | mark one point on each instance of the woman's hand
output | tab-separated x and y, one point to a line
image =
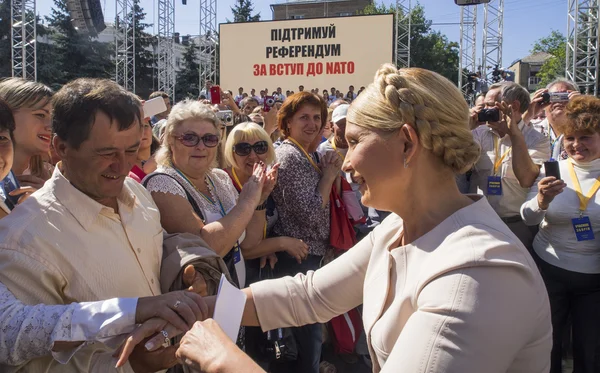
331	165
548	189
270	181
296	248
179	308
23	192
30	180
208	349
270	120
252	190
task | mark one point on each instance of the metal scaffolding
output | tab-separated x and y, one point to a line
24	39
166	63
468	49
582	44
207	42
125	44
493	27
403	33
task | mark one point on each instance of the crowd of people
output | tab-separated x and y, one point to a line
471	244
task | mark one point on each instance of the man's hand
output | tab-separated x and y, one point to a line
144	361
180	308
195	281
30	180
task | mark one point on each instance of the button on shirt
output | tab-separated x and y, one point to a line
513	195
60	246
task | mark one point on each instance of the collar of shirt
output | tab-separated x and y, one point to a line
84	208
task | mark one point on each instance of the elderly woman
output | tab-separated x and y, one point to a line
30	102
446	287
195	197
567	242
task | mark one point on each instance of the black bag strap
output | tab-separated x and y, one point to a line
188	195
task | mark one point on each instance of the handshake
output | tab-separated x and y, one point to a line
163	317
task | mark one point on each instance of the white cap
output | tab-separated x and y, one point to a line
340	113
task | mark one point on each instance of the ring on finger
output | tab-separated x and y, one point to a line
177	304
167	341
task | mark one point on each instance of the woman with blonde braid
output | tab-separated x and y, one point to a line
445	285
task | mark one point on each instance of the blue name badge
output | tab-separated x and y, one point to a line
583	228
494	186
237	254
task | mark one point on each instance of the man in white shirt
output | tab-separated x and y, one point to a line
555	114
90	233
206	91
240	96
511	156
279	96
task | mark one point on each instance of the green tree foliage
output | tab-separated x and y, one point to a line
429	49
145	62
556	45
187	77
75	54
242	12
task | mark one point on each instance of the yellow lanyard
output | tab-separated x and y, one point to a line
235	178
332	141
498	162
312	162
583	200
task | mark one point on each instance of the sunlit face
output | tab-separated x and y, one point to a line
246	163
374	161
146	141
480	103
249	107
6	153
555	112
99	166
305	125
582	146
197	159
33	131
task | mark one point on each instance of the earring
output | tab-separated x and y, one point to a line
405	163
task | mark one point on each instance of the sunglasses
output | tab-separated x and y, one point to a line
191	140
243	148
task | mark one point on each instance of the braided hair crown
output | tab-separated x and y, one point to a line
428	102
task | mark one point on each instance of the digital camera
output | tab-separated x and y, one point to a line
226	116
269	102
488	115
552	97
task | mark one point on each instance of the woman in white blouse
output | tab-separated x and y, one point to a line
445	285
567	243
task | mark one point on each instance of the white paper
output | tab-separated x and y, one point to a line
229	308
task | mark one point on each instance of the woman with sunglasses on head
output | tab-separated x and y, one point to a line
30	102
194	196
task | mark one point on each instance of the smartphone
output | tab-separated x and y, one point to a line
215	95
269	102
552	169
9	184
155	106
226	116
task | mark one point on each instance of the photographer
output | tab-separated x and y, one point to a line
511	155
554	105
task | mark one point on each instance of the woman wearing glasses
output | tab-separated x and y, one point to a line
195	197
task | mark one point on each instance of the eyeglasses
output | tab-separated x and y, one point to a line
243	148
191	140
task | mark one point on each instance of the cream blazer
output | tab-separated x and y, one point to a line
464	298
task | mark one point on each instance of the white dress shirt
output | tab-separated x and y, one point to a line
60	246
513	195
556	242
29	332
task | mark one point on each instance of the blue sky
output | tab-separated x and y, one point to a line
525	21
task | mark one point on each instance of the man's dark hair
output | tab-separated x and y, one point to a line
78	102
7	121
158	94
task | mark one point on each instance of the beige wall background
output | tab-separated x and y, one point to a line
367	41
